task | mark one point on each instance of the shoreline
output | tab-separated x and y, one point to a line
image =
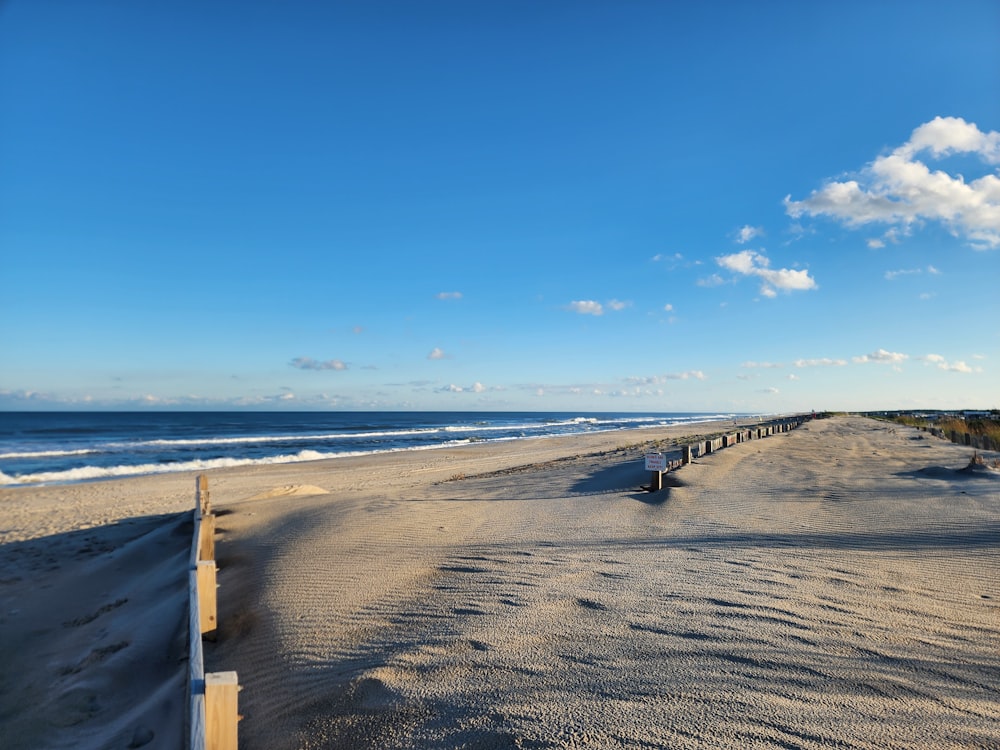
102	501
491	593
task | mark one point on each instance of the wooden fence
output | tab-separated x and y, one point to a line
979	442
710	445
212	698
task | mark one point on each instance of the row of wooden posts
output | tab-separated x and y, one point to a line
212	698
980	442
658	464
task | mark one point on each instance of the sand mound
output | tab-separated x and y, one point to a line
291	490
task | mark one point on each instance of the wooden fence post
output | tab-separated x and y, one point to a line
202	504
221	710
206	538
207	598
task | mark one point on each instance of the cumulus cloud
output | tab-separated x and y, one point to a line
900	190
437	353
586	307
881	356
746	233
752	263
308	363
592	307
958	366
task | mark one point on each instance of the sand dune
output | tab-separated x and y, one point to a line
832	587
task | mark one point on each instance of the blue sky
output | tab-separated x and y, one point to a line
594	206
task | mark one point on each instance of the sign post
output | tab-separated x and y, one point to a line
656	463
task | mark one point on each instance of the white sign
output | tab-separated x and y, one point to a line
656	462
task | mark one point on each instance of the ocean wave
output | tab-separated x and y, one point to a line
250	439
48	454
87	473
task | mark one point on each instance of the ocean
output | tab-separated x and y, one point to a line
62	447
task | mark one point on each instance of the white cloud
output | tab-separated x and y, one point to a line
893	275
308	363
586	307
766	365
591	307
956	366
746	233
875	243
437	353
899	190
660	379
449	295
822	362
752	263
668	307
713	280
881	356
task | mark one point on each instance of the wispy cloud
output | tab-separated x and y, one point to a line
449	295
437	353
713	280
476	387
821	362
308	363
661	379
752	263
881	356
900	190
957	366
765	365
893	275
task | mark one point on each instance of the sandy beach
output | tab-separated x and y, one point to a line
836	586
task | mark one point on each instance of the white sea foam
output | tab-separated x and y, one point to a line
48	454
86	473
